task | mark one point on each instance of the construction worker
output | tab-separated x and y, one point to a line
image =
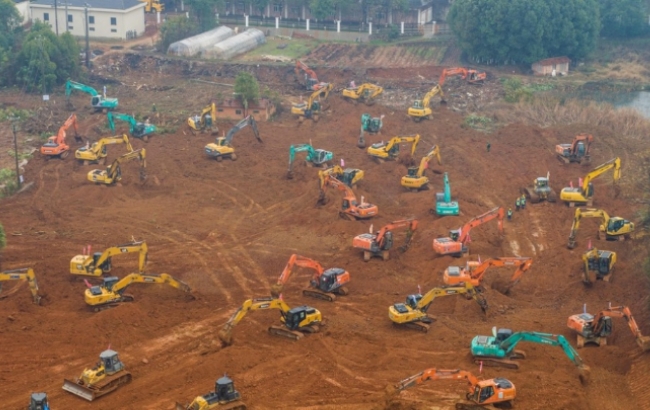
509	214
518	203
488	146
523	201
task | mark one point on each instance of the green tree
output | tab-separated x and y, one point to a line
3	238
524	31
623	18
9	34
247	88
176	29
204	12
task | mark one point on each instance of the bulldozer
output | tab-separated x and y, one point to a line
498	392
456	243
224	397
380	243
137	129
102	262
455	275
325	284
56	145
598	261
312	108
389	150
578	151
349	176
113	174
297	321
415	180
206	120
351	209
24	274
221	147
594	329
540	191
107	376
97	152
365	93
111	292
584	195
38	401
611	229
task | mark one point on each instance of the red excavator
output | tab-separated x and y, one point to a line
324	284
379	244
595	329
577	151
499	392
455	244
472	76
309	77
56	145
350	208
475	271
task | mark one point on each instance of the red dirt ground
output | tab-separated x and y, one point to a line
228	228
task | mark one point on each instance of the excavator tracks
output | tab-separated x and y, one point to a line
235	405
104	306
107	385
313	293
284	332
508	363
422	327
474	406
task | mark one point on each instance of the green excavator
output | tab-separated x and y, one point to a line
315	157
499	349
444	204
98	101
137	129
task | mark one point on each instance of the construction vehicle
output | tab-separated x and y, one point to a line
315	157
313	106
476	77
584	195
365	92
499	349
113	174
541	190
415	179
107	376
350	208
349	176
456	243
595	328
224	397
611	229
38	401
390	150
499	392
206	120
152	6
221	147
379	244
371	124
24	274
600	262
111	292
140	130
444	205
56	145
97	152
578	151
98	101
102	262
309	77
420	108
475	272
324	284
413	313
297	321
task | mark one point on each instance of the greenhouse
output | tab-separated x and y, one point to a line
241	43
194	45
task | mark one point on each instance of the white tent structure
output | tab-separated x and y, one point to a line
241	43
194	45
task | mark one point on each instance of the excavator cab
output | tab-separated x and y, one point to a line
485	390
413	300
38	401
95	101
105	267
294	317
601	263
328	280
503	334
616	224
417	104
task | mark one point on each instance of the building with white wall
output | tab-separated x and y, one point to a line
107	19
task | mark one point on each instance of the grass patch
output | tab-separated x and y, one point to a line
517	91
478	122
9	113
295	48
8	184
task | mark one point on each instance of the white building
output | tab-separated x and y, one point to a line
115	19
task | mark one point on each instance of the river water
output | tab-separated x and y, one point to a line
639	100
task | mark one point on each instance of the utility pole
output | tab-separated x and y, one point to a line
87	39
56	18
13	128
66	16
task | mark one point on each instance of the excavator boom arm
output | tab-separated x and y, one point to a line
411	224
601	169
618	311
509	344
123	283
428	297
436	374
522	264
72	85
225	334
26	274
480	220
249	120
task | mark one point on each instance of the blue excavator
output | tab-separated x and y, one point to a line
97	100
444	204
315	157
499	349
137	129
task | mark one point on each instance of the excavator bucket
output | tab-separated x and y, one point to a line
226	337
181	406
78	390
584	372
644	343
276	290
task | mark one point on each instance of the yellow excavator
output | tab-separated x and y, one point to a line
584	195
221	147
365	92
611	229
97	152
102	262
390	150
24	274
420	108
224	397
601	263
349	176
299	320
111	293
113	174
413	313
312	108
153	6
207	120
107	376
415	179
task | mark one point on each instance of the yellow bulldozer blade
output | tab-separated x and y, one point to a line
78	390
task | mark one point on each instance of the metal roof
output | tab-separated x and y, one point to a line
93	4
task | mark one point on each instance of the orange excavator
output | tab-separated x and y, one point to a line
310	78
595	329
350	208
472	76
475	271
379	244
324	284
499	392
578	151
56	145
455	244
